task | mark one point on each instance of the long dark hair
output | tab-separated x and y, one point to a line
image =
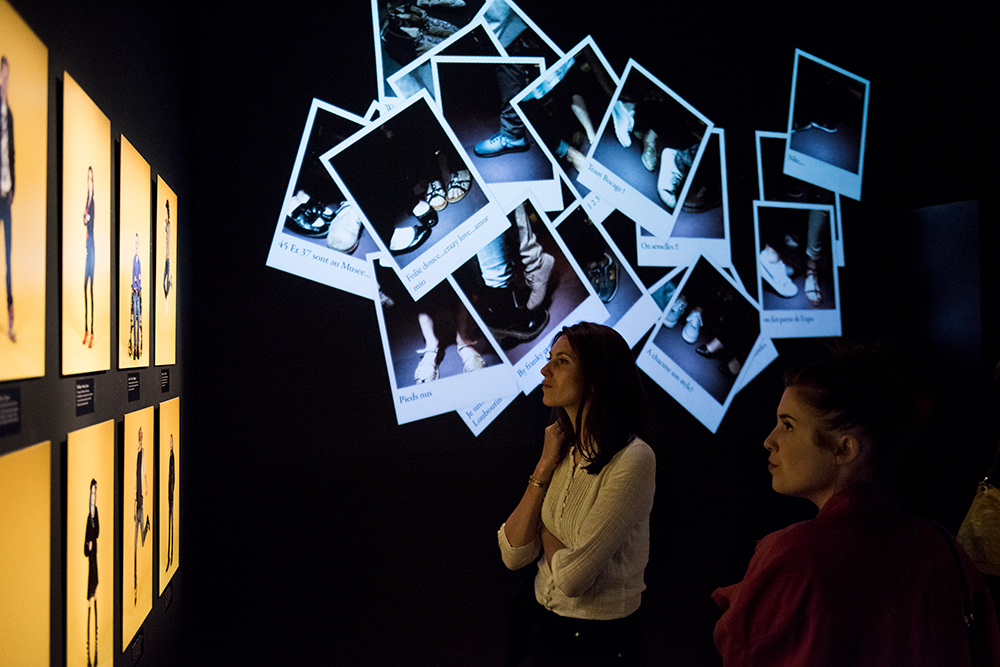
869	390
612	398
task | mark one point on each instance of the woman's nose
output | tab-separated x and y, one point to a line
769	443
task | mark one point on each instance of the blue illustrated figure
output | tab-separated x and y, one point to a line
135	339
88	273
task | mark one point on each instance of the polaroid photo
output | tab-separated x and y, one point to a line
624	232
699	350
472	41
482	414
649	146
561	109
525	285
763	353
435	351
827	123
703	221
797	280
474	96
516	35
663	289
631	310
319	235
417	192
775	185
405	32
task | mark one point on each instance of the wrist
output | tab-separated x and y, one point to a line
544	470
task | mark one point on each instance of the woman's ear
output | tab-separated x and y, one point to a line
848	449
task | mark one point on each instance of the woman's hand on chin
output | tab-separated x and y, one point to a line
552	450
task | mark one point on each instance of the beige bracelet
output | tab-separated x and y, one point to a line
537	482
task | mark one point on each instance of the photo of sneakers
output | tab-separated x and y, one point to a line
498	144
693	328
775	272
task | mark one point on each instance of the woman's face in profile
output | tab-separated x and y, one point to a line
563	383
798	465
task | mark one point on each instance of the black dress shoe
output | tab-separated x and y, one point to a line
509	322
704	351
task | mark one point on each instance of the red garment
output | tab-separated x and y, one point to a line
861	584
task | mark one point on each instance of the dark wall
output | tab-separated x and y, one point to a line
315	528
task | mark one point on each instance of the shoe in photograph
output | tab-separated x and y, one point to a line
498	144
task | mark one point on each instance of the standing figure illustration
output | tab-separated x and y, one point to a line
135	342
141	520
7	182
171	476
90	551
166	265
88	272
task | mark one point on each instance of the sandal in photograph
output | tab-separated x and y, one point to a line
435	196
459	185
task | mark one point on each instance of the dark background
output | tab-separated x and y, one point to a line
315	530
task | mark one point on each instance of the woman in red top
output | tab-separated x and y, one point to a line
863	583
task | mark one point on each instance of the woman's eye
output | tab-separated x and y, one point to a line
787	425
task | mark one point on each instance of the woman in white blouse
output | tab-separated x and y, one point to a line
586	506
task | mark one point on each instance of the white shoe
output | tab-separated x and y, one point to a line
623	114
776	274
471	359
345	230
693	328
538	281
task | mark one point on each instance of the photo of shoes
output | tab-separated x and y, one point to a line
499	144
345	230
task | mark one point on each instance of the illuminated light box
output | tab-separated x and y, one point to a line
90	546
25	564
135	279
163	282
23	198
170	489
86	233
137	521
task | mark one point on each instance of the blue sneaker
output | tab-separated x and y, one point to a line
499	144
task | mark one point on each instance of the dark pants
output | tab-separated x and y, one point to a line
559	641
5	217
